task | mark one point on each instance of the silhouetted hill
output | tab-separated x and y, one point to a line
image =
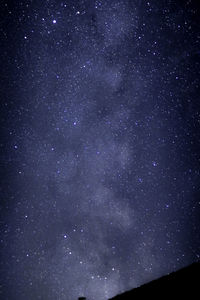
184	282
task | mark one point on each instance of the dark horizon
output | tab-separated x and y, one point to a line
183	282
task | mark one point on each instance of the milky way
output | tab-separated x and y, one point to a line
100	137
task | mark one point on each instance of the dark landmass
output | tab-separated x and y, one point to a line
184	282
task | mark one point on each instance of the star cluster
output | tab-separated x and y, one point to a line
100	137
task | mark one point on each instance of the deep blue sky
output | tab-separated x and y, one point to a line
100	139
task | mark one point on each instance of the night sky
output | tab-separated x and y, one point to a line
100	145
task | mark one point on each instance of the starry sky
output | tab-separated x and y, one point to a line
100	145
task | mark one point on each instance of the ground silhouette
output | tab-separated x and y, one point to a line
182	283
